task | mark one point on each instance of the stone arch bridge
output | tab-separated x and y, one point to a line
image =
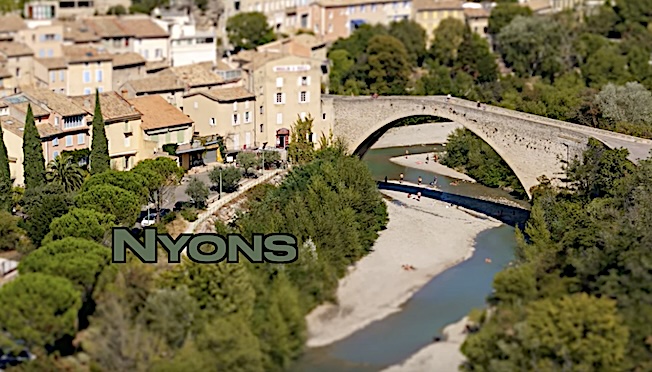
531	145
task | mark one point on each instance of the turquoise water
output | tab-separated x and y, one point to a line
445	299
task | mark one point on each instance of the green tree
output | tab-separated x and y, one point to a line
271	158
389	68
230	177
247	160
198	191
39	309
5	176
249	30
503	14
111	200
13	237
220	289
63	171
33	161
301	148
78	260
475	58
43	205
131	181
341	63
413	37
99	159
449	36
173	315
605	65
630	103
82	223
161	176
117	10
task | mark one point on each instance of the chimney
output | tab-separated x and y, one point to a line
124	93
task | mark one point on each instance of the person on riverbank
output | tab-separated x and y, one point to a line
427	158
407	153
419	196
419	181
436	158
401	178
385	179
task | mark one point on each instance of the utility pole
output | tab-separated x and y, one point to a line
220	195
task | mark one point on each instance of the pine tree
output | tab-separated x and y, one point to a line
5	176
33	162
99	160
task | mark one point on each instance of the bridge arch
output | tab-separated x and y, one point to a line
531	145
373	133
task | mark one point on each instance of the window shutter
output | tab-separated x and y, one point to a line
299	81
307	96
282	97
308	80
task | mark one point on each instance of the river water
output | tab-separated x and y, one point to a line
447	298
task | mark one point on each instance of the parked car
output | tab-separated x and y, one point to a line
150	219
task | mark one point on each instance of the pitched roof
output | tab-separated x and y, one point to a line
419	5
142	28
53	63
4	73
156	83
107	27
476	12
78	32
15	49
12	125
12	23
47	130
194	75
58	103
127	59
227	94
37	110
261	59
156	65
334	3
82	53
158	113
113	106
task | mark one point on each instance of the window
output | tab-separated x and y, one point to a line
62	75
41	53
280	98
158	52
50	53
69	140
261	110
279	82
235	106
100	89
17	72
246	105
304	81
55	154
81	138
87	76
247	118
235	119
146	54
261	128
304	97
98	76
73	121
53	76
247	139
279	118
87	91
55	142
56	121
236	141
196	105
127	141
212	122
180	136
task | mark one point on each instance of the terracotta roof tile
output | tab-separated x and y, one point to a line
15	49
12	125
52	63
106	27
113	106
47	130
195	75
476	12
58	103
12	23
227	94
127	59
156	65
4	73
157	83
78	32
419	5
82	53
142	28
158	113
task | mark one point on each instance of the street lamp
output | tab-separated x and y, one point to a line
264	144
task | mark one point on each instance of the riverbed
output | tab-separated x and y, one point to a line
385	330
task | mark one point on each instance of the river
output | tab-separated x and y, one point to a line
447	298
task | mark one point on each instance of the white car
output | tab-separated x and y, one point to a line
148	220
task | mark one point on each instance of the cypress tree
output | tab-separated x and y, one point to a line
5	175
99	161
33	162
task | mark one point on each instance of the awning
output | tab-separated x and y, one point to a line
120	154
282	132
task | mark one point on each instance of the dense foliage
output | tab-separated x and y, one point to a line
578	297
99	159
249	30
5	176
33	160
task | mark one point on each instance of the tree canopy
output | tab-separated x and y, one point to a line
249	30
